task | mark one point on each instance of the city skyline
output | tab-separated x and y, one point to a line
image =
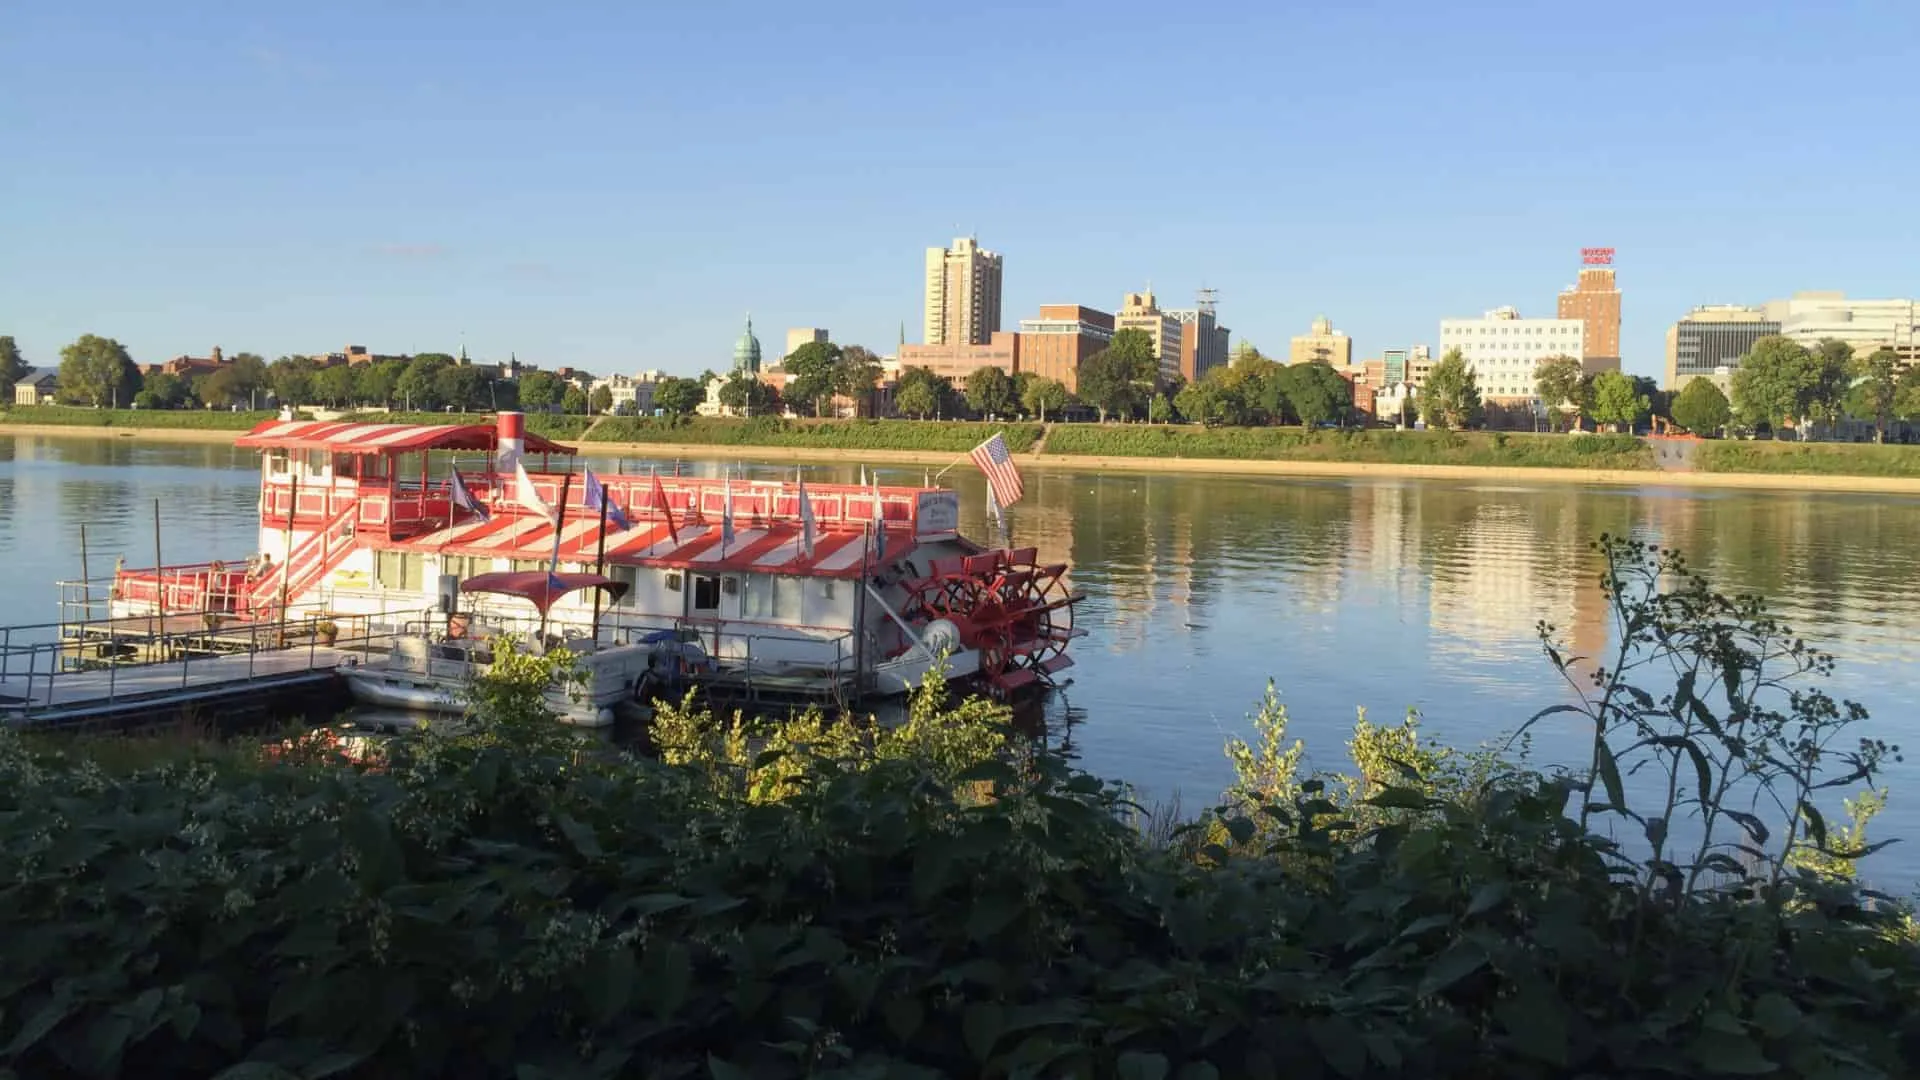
182	176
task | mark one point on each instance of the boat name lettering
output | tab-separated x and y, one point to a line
939	512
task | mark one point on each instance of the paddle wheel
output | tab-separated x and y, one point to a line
1017	613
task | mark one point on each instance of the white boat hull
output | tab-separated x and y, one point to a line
390	689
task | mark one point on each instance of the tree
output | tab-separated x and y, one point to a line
990	392
540	389
855	377
98	370
743	392
678	397
1117	379
1451	398
13	367
1316	392
416	387
239	381
1159	410
601	399
462	386
1906	394
376	383
812	372
1872	397
1833	374
1775	382
1617	401
335	385
164	391
291	379
1042	396
1701	408
922	393
1659	402
573	400
1557	380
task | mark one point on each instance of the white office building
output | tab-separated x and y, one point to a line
1502	350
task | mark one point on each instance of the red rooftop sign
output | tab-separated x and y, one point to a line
1597	256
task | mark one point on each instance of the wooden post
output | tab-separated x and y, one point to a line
159	578
86	587
553	567
286	562
860	615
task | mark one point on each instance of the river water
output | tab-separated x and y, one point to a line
1385	594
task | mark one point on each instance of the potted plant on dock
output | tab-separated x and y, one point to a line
326	631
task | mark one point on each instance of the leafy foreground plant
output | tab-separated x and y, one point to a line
503	902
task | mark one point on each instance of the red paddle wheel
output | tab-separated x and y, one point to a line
1018	614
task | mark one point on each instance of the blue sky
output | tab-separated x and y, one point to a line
614	186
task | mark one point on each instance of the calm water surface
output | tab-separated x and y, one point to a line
1387	594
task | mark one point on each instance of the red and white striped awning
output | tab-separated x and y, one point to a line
356	438
769	548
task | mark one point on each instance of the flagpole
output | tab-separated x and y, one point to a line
600	560
553	567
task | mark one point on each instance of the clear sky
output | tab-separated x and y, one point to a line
614	185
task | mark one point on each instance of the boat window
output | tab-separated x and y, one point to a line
706	593
630	575
399	570
276	463
464	566
770	596
317	462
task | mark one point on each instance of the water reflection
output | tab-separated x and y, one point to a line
1378	593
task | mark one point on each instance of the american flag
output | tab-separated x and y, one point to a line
997	463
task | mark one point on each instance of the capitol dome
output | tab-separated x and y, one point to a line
746	351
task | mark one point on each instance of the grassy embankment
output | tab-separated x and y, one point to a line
1807	459
1472	448
947	898
955	437
173	419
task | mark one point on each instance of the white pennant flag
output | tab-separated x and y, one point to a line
525	495
806	522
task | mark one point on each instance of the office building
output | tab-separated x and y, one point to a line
1812	317
1203	341
1054	345
1502	350
1595	300
962	295
805	335
1713	337
957	362
1322	345
1139	312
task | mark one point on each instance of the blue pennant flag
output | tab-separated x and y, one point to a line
597	495
463	498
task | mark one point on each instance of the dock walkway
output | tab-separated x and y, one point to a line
80	695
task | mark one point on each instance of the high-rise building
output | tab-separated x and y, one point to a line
1322	345
963	294
1502	350
1203	341
1713	337
1139	312
1054	345
1595	300
805	335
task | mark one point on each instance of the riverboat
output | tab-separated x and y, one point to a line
448	536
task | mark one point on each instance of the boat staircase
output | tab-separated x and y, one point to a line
316	557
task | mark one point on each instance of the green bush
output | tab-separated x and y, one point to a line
505	900
185	419
1820	459
926	435
1370	447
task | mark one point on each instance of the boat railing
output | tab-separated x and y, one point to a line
100	661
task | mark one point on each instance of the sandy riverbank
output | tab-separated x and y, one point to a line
1190	466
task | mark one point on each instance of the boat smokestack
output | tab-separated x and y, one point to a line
510	440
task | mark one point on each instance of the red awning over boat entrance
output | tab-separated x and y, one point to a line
540	588
353	438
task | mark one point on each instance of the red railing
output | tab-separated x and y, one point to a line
319	554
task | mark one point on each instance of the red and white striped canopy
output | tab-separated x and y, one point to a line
356	438
764	548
